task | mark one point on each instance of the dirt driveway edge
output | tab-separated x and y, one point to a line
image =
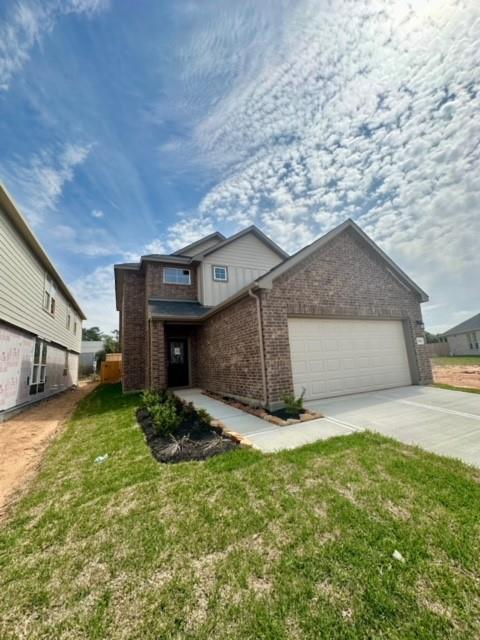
25	438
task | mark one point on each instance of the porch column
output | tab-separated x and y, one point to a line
158	360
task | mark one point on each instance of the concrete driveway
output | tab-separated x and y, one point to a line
442	421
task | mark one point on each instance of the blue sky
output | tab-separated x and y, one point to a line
135	127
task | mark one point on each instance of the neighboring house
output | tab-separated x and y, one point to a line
40	320
88	355
240	317
464	339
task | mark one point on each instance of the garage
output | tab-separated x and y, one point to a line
339	357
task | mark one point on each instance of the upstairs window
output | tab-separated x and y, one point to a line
49	295
220	274
171	275
39	368
69	318
75	327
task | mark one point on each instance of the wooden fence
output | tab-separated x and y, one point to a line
436	349
111	369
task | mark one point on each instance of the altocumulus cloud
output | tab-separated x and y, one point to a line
366	110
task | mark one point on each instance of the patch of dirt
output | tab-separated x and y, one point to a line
25	438
194	440
457	376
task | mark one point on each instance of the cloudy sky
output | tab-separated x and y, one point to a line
134	127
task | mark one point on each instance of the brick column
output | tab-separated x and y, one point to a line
158	356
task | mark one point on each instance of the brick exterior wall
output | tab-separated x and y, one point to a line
133	332
345	279
228	352
156	288
157	378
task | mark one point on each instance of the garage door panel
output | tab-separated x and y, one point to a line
336	357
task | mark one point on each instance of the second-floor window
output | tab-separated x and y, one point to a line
75	327
49	295
220	274
69	318
172	275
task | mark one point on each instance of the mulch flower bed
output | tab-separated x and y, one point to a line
280	417
193	440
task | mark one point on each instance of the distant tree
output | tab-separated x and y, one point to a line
434	337
93	333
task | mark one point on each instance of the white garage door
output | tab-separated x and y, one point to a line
338	357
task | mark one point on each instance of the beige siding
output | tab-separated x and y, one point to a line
460	344
246	258
200	248
22	281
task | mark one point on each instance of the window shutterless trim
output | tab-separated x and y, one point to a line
219	266
176	269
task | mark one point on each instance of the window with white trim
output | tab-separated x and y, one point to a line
220	273
69	318
49	295
39	367
172	275
75	326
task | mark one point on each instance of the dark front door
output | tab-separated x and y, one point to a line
178	362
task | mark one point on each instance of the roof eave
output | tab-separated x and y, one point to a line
266	281
23	228
251	229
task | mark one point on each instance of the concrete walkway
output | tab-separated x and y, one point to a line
262	434
439	420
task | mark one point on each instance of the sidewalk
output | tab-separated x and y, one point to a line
263	435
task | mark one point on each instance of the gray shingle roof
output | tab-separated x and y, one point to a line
177	308
472	324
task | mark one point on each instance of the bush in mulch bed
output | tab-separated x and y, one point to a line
176	432
292	412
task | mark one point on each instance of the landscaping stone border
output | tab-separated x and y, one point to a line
263	414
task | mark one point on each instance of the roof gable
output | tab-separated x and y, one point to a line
196	247
267	280
253	230
472	324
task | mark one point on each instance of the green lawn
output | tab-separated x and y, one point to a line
293	545
440	385
451	361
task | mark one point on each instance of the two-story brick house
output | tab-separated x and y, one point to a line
40	320
240	317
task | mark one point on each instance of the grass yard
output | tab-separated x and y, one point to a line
455	361
450	387
293	545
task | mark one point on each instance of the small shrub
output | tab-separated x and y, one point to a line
204	416
150	398
293	406
165	418
188	411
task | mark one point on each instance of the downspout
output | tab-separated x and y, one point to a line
262	353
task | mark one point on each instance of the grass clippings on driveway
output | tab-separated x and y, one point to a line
297	544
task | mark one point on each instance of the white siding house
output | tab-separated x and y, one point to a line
40	320
232	266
